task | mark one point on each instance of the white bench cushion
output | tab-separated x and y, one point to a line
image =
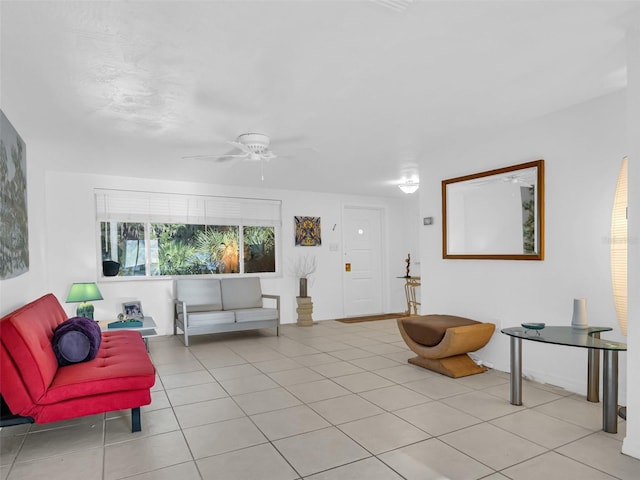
209	318
240	293
255	314
200	295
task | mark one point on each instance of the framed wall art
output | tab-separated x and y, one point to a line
14	234
307	231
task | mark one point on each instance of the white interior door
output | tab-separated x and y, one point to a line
362	269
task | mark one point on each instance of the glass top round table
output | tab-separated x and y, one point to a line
569	336
574	337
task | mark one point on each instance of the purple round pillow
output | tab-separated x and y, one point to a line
76	340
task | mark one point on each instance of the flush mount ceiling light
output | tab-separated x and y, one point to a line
409	186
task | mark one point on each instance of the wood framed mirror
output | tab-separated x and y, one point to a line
495	215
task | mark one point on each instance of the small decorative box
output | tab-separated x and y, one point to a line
125	324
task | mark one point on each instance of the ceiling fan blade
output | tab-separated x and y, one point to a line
293	151
288	140
241	146
213	157
229	158
238	152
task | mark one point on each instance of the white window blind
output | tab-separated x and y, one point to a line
152	207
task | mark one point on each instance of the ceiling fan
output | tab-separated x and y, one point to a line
247	146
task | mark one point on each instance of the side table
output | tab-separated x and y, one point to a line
588	338
410	293
147	330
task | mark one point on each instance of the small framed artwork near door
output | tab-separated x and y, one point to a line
307	231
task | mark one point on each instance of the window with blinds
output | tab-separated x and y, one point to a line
160	234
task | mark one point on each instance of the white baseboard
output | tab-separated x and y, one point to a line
631	447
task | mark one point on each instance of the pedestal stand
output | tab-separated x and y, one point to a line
305	310
410	293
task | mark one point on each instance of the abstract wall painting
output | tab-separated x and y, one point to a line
307	230
14	227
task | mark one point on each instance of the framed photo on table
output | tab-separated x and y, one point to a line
132	310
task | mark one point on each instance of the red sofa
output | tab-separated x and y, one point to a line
36	389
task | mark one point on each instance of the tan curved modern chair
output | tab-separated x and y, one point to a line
443	341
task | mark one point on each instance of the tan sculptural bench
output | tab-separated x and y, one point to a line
442	342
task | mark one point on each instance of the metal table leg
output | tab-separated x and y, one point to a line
610	394
593	373
516	371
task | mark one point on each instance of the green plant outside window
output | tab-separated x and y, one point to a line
259	249
187	249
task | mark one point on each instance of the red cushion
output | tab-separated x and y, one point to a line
79	407
122	364
26	335
12	388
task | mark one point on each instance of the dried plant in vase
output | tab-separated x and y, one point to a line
304	267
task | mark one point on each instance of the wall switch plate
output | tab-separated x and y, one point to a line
427	220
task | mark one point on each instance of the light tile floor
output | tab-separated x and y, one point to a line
328	402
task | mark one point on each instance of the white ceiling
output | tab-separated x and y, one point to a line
128	88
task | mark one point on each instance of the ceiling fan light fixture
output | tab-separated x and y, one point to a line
255	142
409	186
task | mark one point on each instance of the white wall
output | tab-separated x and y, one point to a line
582	148
63	232
631	445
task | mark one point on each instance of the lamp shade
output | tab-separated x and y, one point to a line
83	292
619	241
